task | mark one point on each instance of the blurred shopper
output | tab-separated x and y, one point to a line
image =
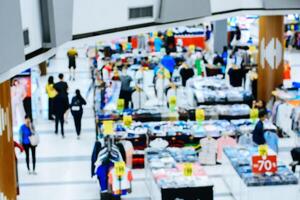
126	90
258	133
72	55
26	133
61	86
158	43
77	111
168	62
207	33
61	105
51	92
186	73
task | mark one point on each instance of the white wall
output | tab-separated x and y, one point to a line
31	19
227	5
97	15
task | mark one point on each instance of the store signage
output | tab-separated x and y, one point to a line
3	120
2	196
254	114
187	169
172	103
127	120
264	164
120	105
108	127
120	168
263	150
272	53
200	115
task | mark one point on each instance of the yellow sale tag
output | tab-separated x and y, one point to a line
127	120
252	49
172	103
108	127
187	169
120	168
172	100
120	104
200	115
254	113
263	150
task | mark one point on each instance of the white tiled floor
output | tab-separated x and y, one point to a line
63	165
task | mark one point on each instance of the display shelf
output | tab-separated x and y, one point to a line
242	191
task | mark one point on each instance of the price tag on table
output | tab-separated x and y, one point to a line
172	103
120	105
263	150
200	115
264	164
187	169
108	127
127	120
254	114
120	168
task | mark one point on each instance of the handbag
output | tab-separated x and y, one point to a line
34	139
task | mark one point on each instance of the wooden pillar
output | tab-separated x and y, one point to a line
7	155
271	51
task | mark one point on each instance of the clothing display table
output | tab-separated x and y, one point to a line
215	90
166	180
244	185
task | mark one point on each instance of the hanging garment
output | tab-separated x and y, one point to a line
120	184
129	152
208	151
96	150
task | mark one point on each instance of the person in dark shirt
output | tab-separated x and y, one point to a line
61	105
61	87
207	34
186	73
77	111
258	133
126	90
236	76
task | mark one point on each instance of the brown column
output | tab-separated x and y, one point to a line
271	50
7	156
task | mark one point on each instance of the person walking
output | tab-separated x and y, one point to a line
77	111
26	131
72	55
51	92
61	105
62	88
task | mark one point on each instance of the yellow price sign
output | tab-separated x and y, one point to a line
263	150
187	169
127	120
200	115
120	168
120	104
108	127
172	103
254	113
172	100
